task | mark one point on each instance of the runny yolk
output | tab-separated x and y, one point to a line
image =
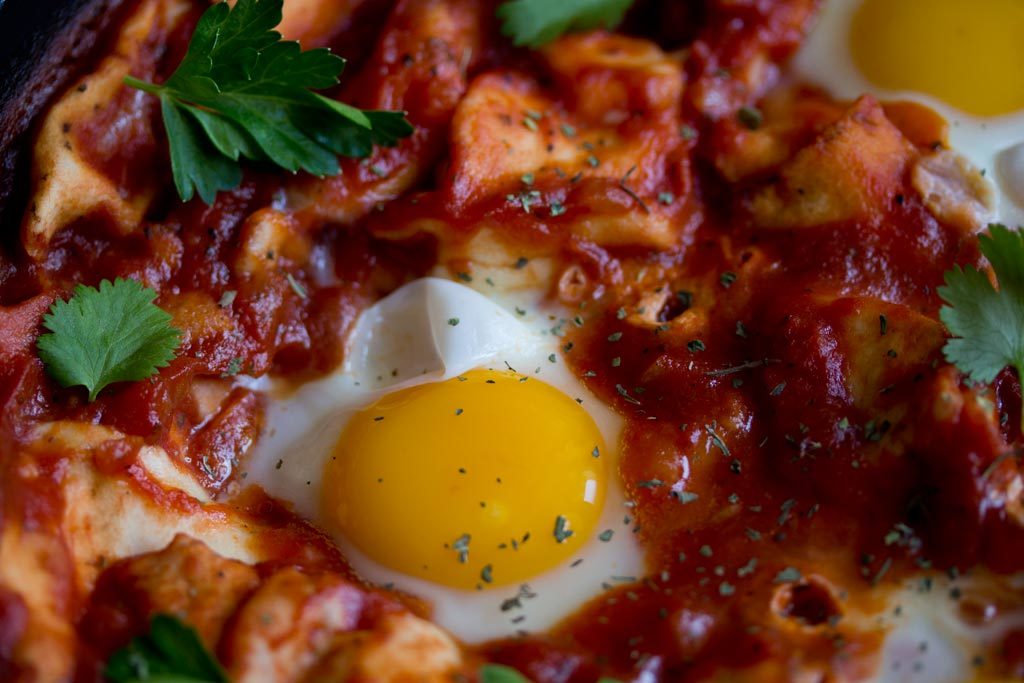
967	53
485	479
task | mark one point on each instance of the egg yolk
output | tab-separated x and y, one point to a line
967	53
489	478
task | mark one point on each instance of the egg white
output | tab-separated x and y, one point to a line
930	641
992	144
403	340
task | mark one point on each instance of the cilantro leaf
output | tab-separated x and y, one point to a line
987	324
111	334
537	22
170	653
242	92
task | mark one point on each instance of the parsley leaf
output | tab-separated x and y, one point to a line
111	334
241	91
170	653
537	22
988	324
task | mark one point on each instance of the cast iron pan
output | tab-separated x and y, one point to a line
43	44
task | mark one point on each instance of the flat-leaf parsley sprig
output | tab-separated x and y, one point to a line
535	23
111	334
241	91
987	324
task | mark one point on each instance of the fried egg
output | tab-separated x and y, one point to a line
456	457
959	58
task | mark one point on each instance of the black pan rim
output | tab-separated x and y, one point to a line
44	44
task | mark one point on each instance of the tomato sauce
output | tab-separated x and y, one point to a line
754	467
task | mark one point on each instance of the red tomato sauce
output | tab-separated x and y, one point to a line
755	470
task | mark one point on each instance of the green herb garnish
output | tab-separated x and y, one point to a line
170	653
111	334
686	497
241	91
499	673
537	22
234	367
788	575
461	546
987	324
750	117
562	530
716	439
